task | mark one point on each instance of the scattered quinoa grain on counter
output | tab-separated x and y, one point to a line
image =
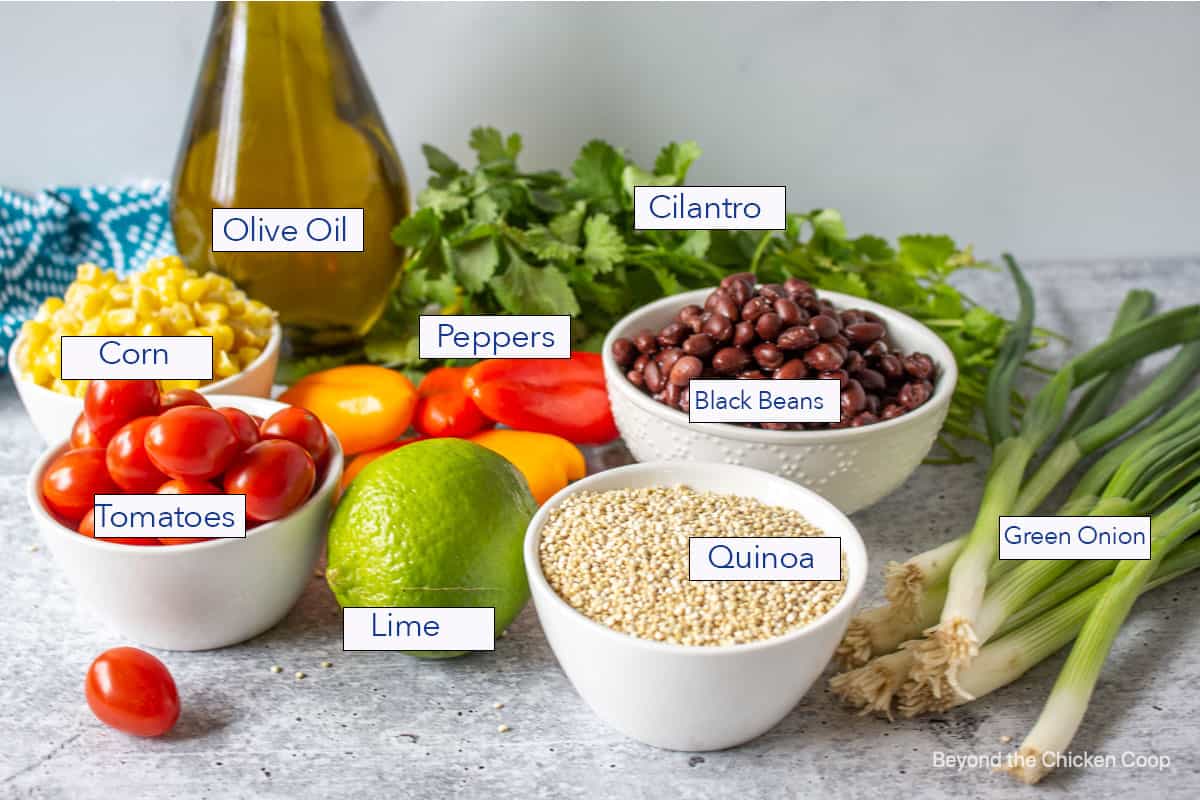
621	558
300	676
502	729
277	669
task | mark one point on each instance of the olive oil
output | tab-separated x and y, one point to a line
282	117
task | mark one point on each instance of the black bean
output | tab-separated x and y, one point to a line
789	313
890	367
672	394
823	357
773	291
698	344
635	378
768	326
854	399
751	375
624	352
791	370
667	358
891	411
747	279
685	399
718	327
653	377
851	316
855	363
739	286
871	380
768	356
876	349
873	403
796	287
775	426
640	362
839	375
693	317
914	394
686	368
645	341
729	360
864	332
754	308
919	365
743	334
865	418
725	305
798	337
824	326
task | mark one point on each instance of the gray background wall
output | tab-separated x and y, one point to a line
1059	131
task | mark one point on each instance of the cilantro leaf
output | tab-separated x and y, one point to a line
605	245
598	175
441	201
567	225
475	263
526	289
675	159
491	147
923	254
439	162
542	242
417	229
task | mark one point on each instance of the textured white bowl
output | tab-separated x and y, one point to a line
194	596
694	698
851	467
53	414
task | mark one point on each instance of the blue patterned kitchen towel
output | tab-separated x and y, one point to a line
45	236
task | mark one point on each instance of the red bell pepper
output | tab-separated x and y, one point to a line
444	408
565	397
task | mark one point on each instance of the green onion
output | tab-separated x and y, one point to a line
1068	701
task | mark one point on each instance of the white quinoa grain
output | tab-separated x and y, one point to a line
621	558
277	669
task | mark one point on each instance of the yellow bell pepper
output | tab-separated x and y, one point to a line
548	462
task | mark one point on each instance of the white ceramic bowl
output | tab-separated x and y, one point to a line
194	596
694	698
53	414
852	467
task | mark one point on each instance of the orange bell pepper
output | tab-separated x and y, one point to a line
548	462
562	396
366	406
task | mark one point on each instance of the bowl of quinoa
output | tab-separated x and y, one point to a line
675	663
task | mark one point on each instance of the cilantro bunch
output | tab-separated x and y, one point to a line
493	239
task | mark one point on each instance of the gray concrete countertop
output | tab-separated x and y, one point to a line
380	724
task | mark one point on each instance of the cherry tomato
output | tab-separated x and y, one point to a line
444	408
182	397
276	475
73	479
177	486
132	691
110	404
299	426
127	461
365	406
81	434
243	425
88	528
191	442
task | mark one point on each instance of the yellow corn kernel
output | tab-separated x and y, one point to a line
145	302
120	296
222	337
210	313
224	366
52	306
119	321
92	327
179	318
35	332
88	273
192	289
236	300
78	388
247	355
149	328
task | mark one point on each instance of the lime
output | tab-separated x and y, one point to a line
435	523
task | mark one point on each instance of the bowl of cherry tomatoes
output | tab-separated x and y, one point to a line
187	593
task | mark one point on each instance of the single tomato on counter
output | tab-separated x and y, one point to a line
132	691
365	406
444	408
109	404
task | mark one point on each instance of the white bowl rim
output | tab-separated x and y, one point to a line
937	349
33	493
855	584
274	343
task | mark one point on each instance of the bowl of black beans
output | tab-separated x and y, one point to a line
896	379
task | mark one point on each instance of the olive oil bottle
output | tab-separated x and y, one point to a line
282	117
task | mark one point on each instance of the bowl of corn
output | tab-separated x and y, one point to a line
164	299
